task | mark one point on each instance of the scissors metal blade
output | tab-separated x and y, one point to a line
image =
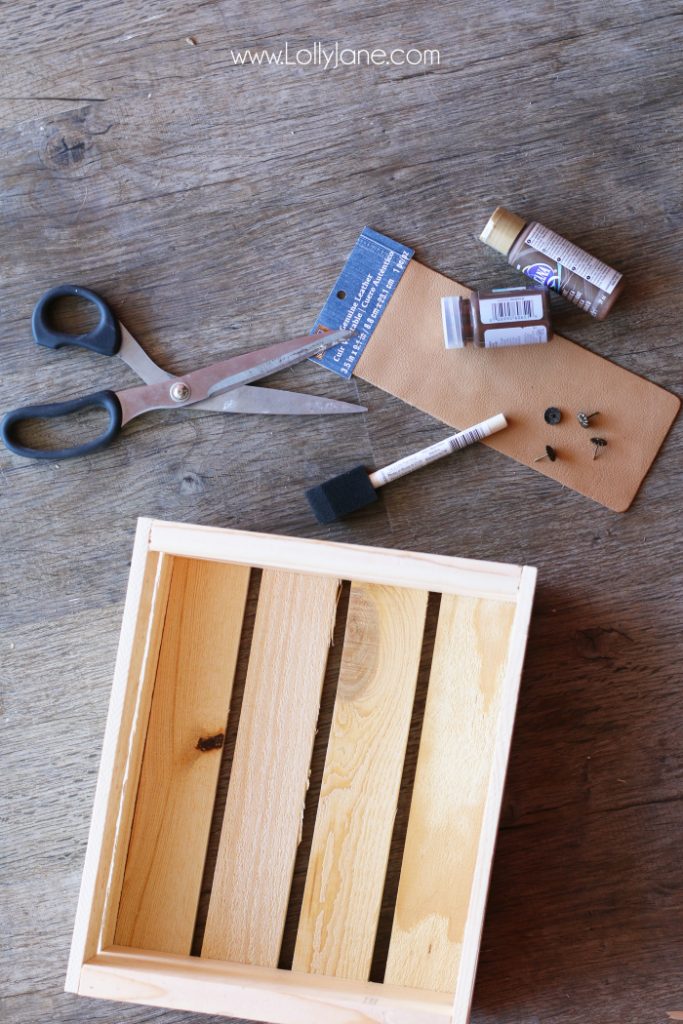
195	387
263	362
134	355
250	398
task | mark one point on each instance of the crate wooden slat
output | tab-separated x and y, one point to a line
174	806
451	781
134	673
439	573
180	636
361	779
265	803
257	993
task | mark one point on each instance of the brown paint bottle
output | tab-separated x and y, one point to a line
500	318
554	262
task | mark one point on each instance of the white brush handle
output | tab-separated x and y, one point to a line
437	451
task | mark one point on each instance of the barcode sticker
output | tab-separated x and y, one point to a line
501	311
466	437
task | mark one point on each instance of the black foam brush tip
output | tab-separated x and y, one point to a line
341	495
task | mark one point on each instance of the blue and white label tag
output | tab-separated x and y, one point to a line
359	296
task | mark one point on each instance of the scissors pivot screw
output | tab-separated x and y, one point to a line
180	391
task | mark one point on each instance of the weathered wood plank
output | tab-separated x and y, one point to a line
269	778
213	206
363	766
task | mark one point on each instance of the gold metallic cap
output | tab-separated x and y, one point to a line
502	229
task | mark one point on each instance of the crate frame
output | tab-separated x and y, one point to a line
99	968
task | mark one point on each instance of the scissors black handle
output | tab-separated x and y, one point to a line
106	400
105	338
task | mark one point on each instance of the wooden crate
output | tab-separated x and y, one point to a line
136	925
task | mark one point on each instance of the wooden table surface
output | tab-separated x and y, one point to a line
214	206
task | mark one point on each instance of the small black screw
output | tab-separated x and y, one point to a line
598	443
584	418
550	453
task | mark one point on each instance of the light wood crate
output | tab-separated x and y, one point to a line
156	793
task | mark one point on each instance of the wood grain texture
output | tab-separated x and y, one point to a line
265	802
361	779
417	570
172	180
451	784
502	742
177	788
122	751
282	997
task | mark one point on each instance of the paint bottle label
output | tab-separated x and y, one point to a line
554	262
500	311
501	337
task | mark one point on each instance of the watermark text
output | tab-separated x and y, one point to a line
337	56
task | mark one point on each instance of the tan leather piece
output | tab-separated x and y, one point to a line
406	357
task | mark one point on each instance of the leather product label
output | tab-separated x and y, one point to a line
359	297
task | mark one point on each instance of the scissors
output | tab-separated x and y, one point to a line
224	386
